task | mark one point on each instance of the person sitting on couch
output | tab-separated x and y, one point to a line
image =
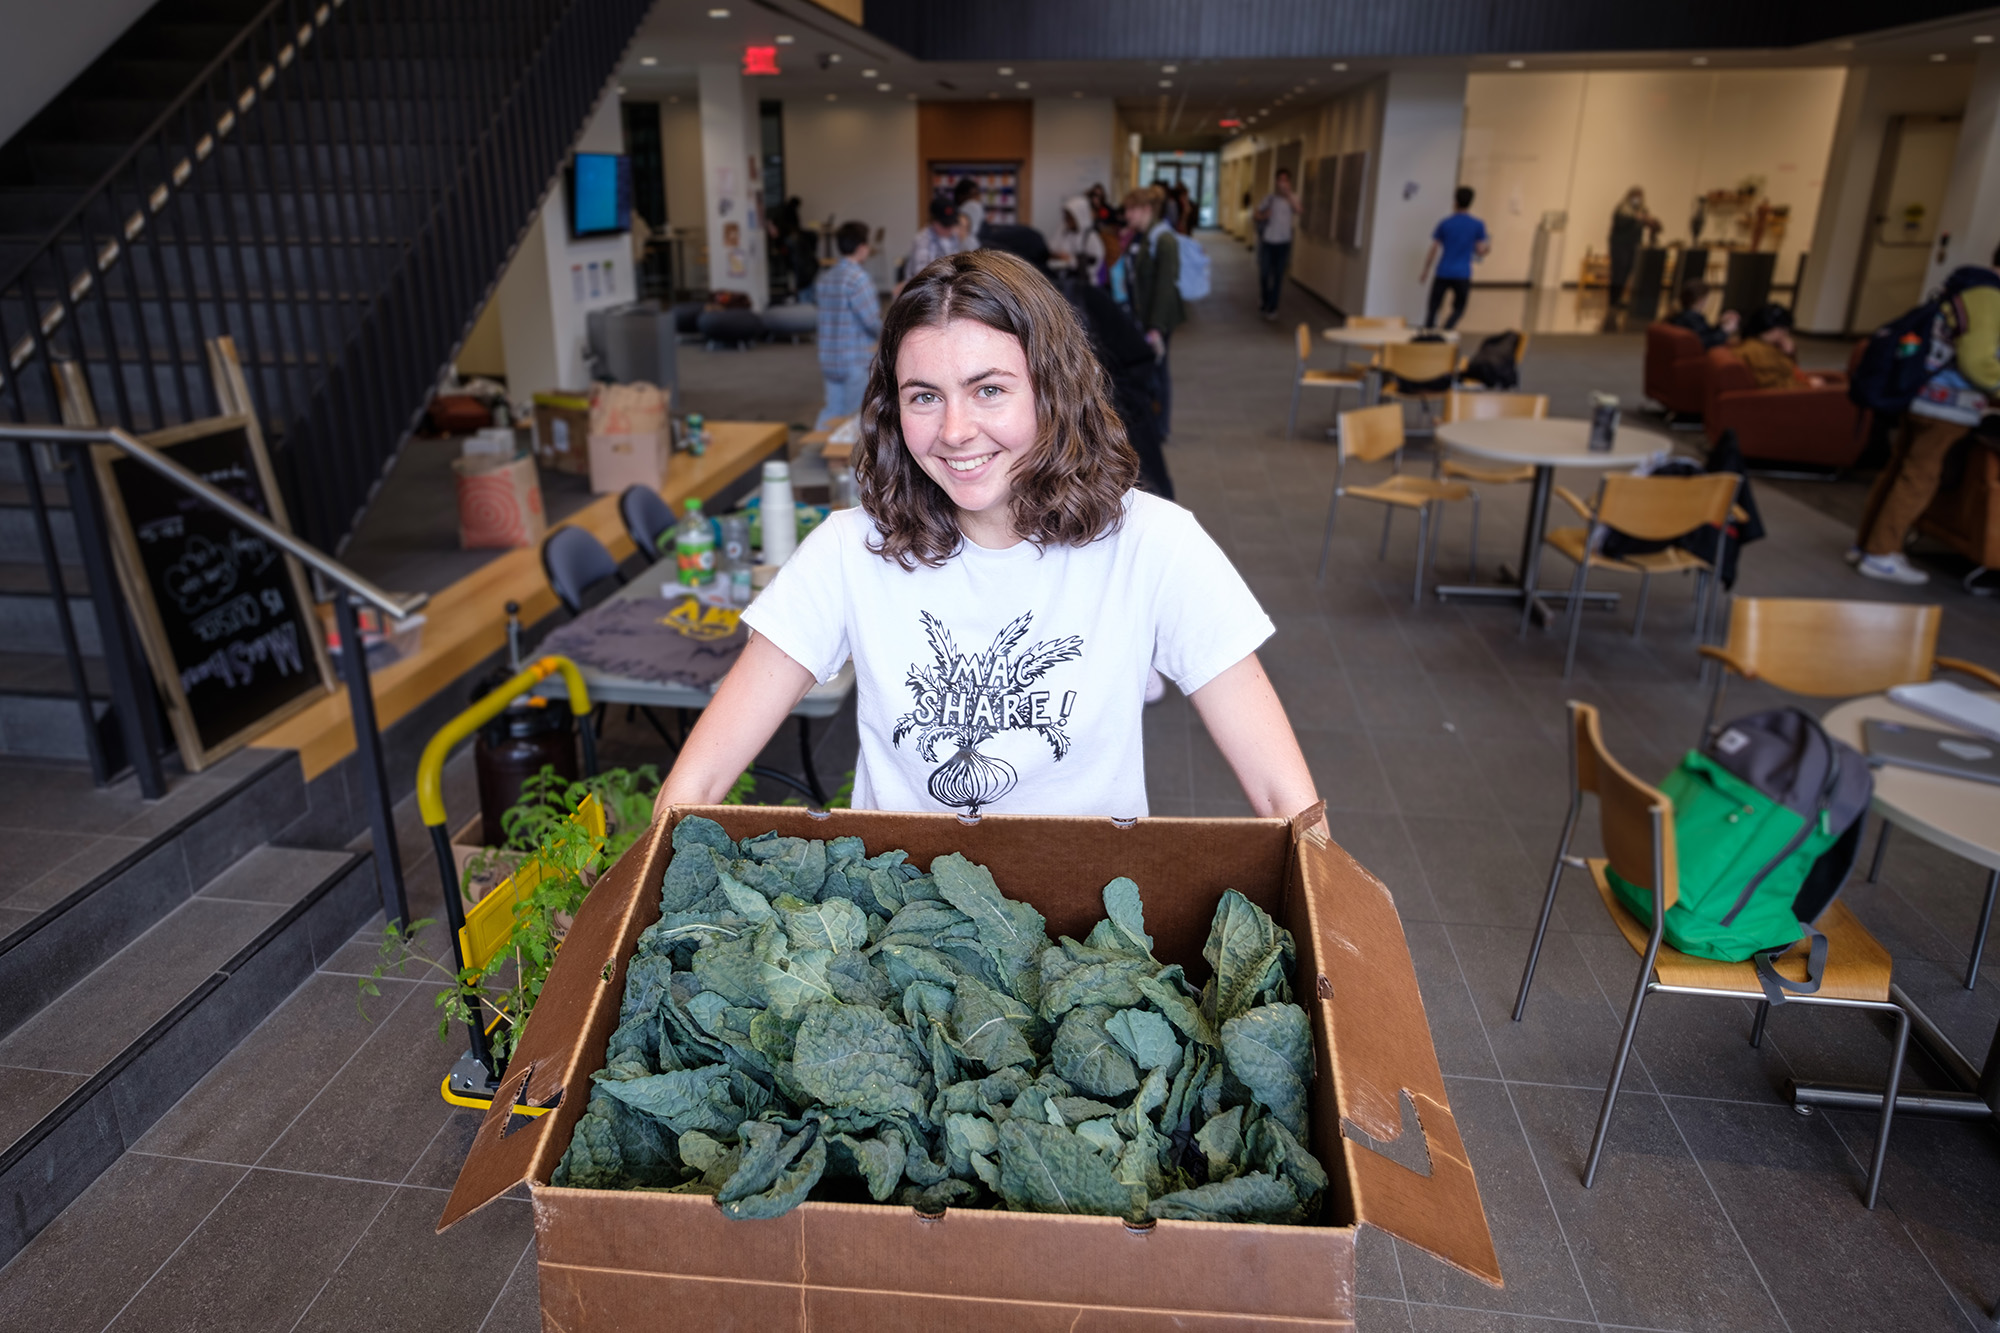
1694	295
1767	348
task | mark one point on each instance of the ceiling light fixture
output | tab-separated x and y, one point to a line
993	97
1701	60
675	98
1021	84
1078	93
1006	71
784	39
881	87
1517	64
1170	69
867	73
1299	89
1340	67
1938	58
1982	39
621	90
649	60
718	13
833	97
1166	83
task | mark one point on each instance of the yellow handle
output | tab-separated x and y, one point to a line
430	769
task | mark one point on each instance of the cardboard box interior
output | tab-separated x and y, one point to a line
620	1255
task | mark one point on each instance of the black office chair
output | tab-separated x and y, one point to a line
647	519
580	570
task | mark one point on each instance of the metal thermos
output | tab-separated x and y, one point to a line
531	734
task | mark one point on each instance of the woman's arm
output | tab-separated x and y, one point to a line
1248	724
756	696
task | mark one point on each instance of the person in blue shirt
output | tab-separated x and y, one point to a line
1458	240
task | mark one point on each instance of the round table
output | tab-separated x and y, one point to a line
1544	444
1385	336
1963	817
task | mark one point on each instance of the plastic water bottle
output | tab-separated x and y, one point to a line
694	547
780	516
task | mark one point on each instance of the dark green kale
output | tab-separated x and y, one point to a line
809	1021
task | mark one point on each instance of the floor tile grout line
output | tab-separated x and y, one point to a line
161	1267
292	1171
359	1236
1549	1318
1646	1070
1520	1124
526	1251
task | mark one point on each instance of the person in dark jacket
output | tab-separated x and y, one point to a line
1694	294
1152	263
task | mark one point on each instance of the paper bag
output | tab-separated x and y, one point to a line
499	502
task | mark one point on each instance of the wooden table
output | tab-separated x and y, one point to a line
1379	337
821	701
1963	817
1543	444
467	623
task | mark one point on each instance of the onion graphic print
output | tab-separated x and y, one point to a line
965	698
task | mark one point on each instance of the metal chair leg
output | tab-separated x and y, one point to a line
1618	1068
1472	565
1292	421
1548	907
1639	613
1757	1025
1575	615
1888	1107
1979	940
1326	543
1388	513
1425	536
1881	846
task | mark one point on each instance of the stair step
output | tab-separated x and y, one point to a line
88	1074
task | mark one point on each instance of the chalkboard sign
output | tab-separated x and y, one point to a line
224	615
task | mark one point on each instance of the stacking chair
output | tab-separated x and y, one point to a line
1636	822
1303	377
1832	649
1460	405
580	570
1371	434
647	519
1420	371
1657	509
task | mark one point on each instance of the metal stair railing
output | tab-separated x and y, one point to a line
338	192
131	684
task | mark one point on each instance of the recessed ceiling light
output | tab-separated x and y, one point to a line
1982	39
1020	83
993	96
1340	67
1078	93
1517	64
621	90
912	97
718	13
1300	88
1312	82
1938	58
881	87
1170	69
1006	71
833	57
867	73
675	98
1701	60
784	39
1166	83
833	97
649	60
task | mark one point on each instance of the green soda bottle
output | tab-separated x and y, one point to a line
694	546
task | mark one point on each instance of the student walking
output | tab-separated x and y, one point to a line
944	236
850	318
1152	264
1275	218
1457	241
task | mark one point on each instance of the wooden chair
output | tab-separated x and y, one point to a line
1304	377
1409	369
1374	433
1834	649
1637	826
1461	405
1651	509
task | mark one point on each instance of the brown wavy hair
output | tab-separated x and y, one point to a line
1070	489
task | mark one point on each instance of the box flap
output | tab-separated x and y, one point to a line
1373	1029
564	1040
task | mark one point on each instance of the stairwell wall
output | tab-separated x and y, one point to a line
48	45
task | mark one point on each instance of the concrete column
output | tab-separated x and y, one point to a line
1413	175
1969	222
733	184
553	280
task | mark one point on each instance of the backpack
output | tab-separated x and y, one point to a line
1194	278
1767	821
1902	355
1725	456
1493	365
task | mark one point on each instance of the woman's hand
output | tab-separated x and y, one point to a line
1247	722
756	696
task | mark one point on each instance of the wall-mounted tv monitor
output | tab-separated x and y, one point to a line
600	194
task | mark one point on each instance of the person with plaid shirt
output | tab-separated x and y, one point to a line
850	318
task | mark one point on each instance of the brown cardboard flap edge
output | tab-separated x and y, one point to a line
563	1042
1380	1040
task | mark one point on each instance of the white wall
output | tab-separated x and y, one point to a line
48	45
546	292
680	150
1576	142
732	185
1072	152
1869	99
854	162
1410	185
1971	213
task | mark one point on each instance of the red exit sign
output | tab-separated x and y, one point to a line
760	60
1230	124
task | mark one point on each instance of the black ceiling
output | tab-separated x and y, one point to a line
1240	29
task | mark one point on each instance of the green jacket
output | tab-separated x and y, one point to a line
1156	277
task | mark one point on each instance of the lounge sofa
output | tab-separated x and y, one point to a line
1815	427
1675	368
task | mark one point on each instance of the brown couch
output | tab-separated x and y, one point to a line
1675	368
1819	427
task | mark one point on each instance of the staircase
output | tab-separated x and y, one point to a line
129	970
336	186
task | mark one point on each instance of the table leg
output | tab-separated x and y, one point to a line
1517	586
1985	921
1979	1100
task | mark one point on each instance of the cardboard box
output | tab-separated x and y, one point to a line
621	1260
631	458
562	431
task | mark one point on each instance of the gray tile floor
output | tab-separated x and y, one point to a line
297	1185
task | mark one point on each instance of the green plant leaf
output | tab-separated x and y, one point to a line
878	1161
832	924
1124	926
991	1026
1252	1198
1250	955
1012	933
852	1056
684	1099
775	1173
1270	1052
1146	1037
1086	1056
1166	995
1048	1170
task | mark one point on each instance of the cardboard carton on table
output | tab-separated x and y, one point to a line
618	1259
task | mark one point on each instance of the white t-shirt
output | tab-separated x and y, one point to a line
1277	218
1012	680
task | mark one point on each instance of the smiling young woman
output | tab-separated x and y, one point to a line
1003	590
